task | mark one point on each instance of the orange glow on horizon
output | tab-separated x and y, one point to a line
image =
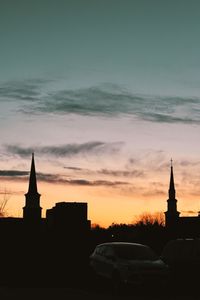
106	205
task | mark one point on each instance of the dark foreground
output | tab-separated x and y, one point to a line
84	285
87	293
56	269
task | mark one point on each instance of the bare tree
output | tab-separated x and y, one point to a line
5	196
150	219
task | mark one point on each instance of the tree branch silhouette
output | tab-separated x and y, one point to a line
5	196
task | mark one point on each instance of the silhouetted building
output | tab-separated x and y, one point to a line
32	209
176	225
68	217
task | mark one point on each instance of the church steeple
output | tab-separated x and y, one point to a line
32	209
171	215
172	191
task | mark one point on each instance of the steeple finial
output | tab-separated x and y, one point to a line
171	163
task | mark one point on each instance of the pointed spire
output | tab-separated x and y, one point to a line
172	191
32	209
32	179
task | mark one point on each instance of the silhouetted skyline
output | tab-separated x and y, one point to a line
62	243
104	94
32	209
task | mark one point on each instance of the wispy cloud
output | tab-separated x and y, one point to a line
108	172
82	182
74	168
122	173
25	90
103	100
112	100
188	163
190	212
13	173
19	175
152	193
94	147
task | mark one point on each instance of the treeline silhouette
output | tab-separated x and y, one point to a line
151	234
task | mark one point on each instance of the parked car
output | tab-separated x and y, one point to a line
183	258
128	263
182	250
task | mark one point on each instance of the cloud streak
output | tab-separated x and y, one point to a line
27	90
122	173
19	175
111	100
104	100
67	150
81	182
108	172
191	212
13	173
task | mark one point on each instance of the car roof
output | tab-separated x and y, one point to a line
121	244
181	242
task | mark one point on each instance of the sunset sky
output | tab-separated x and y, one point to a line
105	93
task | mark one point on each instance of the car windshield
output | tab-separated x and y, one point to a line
131	252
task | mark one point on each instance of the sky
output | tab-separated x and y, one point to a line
104	93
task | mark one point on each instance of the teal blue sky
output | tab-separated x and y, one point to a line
105	93
151	46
